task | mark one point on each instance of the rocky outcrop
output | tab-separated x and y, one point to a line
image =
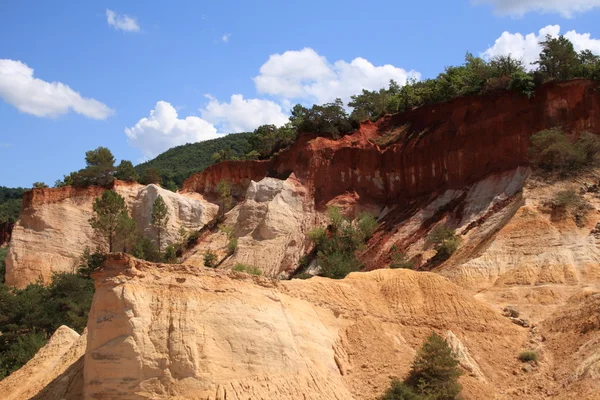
53	229
269	225
434	148
55	372
175	331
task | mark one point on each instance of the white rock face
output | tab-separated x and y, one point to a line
51	234
270	226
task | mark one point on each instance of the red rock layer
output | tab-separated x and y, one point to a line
36	197
443	146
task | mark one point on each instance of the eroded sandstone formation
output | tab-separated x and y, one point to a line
175	331
53	229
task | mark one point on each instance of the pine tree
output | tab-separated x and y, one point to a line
100	167
224	191
126	172
111	219
435	372
160	217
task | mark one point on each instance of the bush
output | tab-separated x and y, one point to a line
89	262
400	391
170	256
445	241
144	249
528	356
232	245
336	246
588	146
551	151
400	260
210	259
565	199
249	269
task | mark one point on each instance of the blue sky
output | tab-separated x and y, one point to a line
101	67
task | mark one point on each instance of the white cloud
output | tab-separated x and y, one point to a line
121	21
306	75
528	48
567	8
225	37
243	115
44	99
163	130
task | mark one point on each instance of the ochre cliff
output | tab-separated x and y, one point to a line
174	331
53	229
438	147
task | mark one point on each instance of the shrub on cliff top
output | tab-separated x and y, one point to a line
445	241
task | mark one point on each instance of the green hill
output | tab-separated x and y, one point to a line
10	203
180	162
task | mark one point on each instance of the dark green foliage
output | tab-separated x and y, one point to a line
528	356
170	256
522	82
329	120
336	246
552	151
434	373
249	269
10	204
400	391
160	217
144	249
210	259
400	260
150	176
3	252
39	185
99	170
126	172
558	59
565	199
268	139
225	198
445	241
30	316
225	154
180	162
89	262
232	245
111	220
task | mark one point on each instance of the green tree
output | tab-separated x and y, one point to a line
126	172
151	176
99	170
160	217
224	193
111	220
170	256
435	371
39	185
558	59
90	262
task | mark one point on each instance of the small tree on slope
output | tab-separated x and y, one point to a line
111	219
435	372
160	217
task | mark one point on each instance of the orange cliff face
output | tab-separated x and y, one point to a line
439	147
